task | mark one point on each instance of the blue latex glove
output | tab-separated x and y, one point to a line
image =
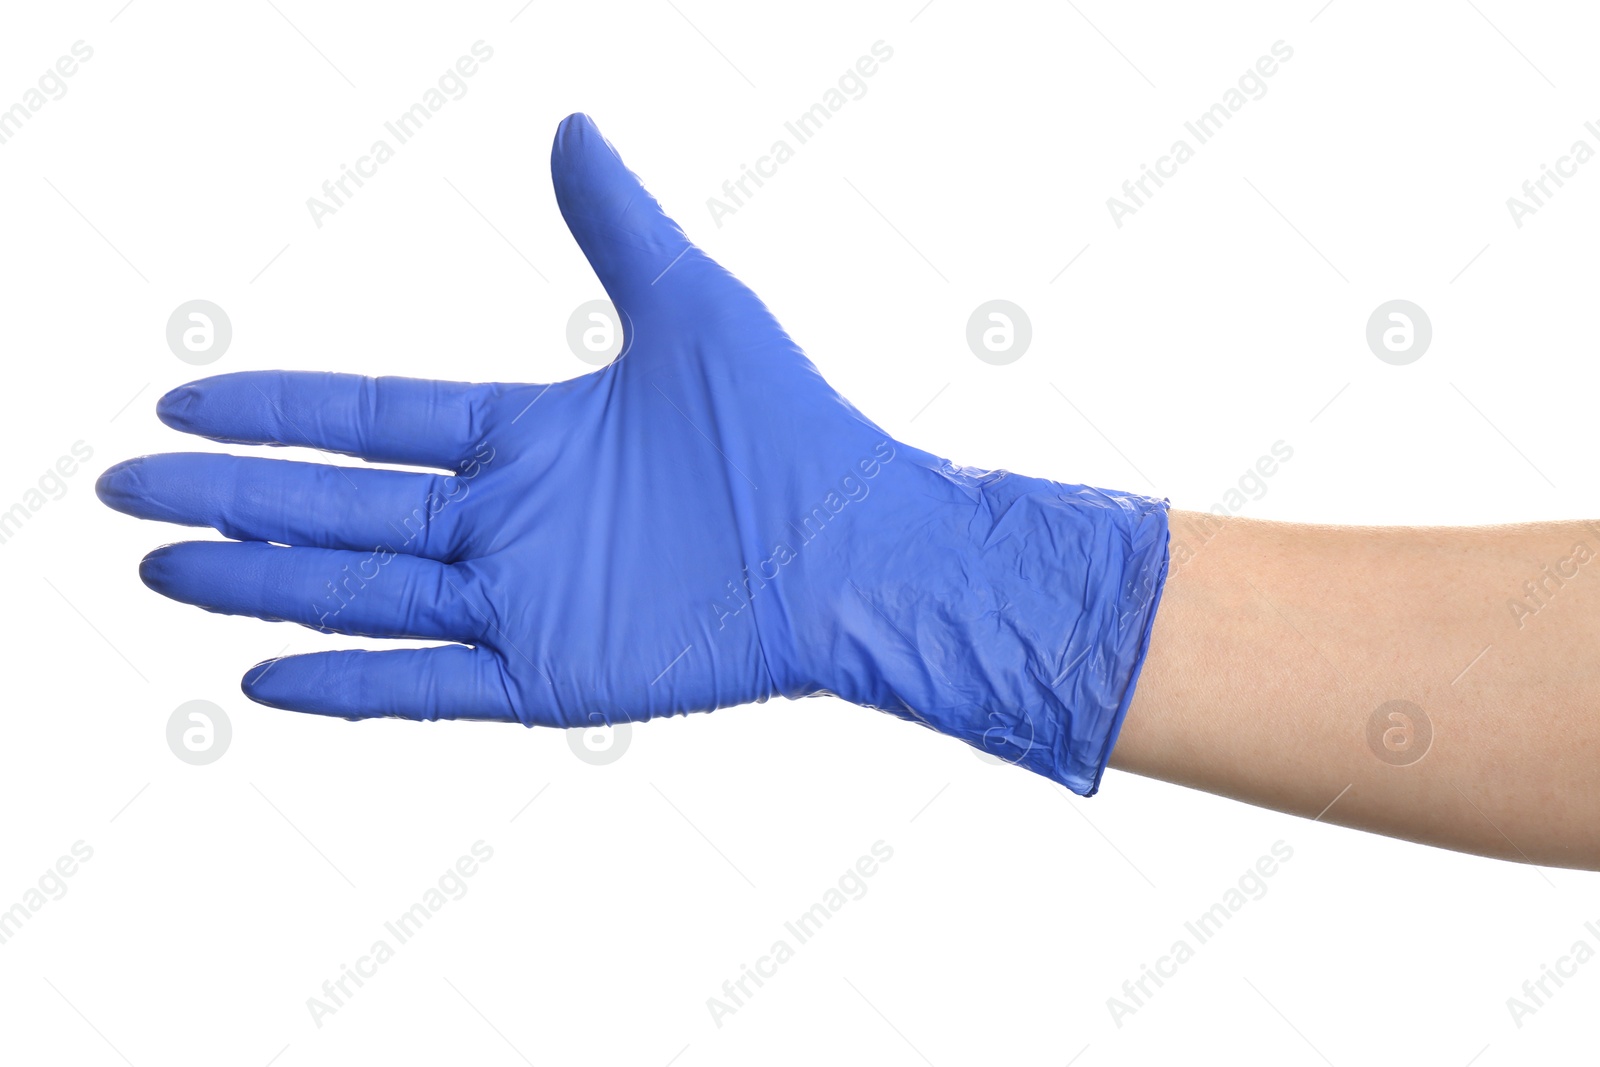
702	523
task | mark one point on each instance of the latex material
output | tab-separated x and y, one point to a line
703	523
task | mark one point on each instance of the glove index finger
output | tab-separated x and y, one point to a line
388	420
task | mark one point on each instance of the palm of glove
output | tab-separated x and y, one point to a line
700	524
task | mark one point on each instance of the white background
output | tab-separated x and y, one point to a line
1226	315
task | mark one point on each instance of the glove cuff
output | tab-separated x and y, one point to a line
1015	615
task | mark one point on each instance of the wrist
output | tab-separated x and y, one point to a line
1011	612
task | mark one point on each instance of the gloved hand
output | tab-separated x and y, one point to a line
702	523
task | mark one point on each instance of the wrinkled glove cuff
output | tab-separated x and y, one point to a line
1093	706
1024	609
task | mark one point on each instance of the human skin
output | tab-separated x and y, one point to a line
1275	643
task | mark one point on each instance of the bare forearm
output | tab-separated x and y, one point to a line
1278	649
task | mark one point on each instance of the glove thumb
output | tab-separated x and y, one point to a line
629	241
